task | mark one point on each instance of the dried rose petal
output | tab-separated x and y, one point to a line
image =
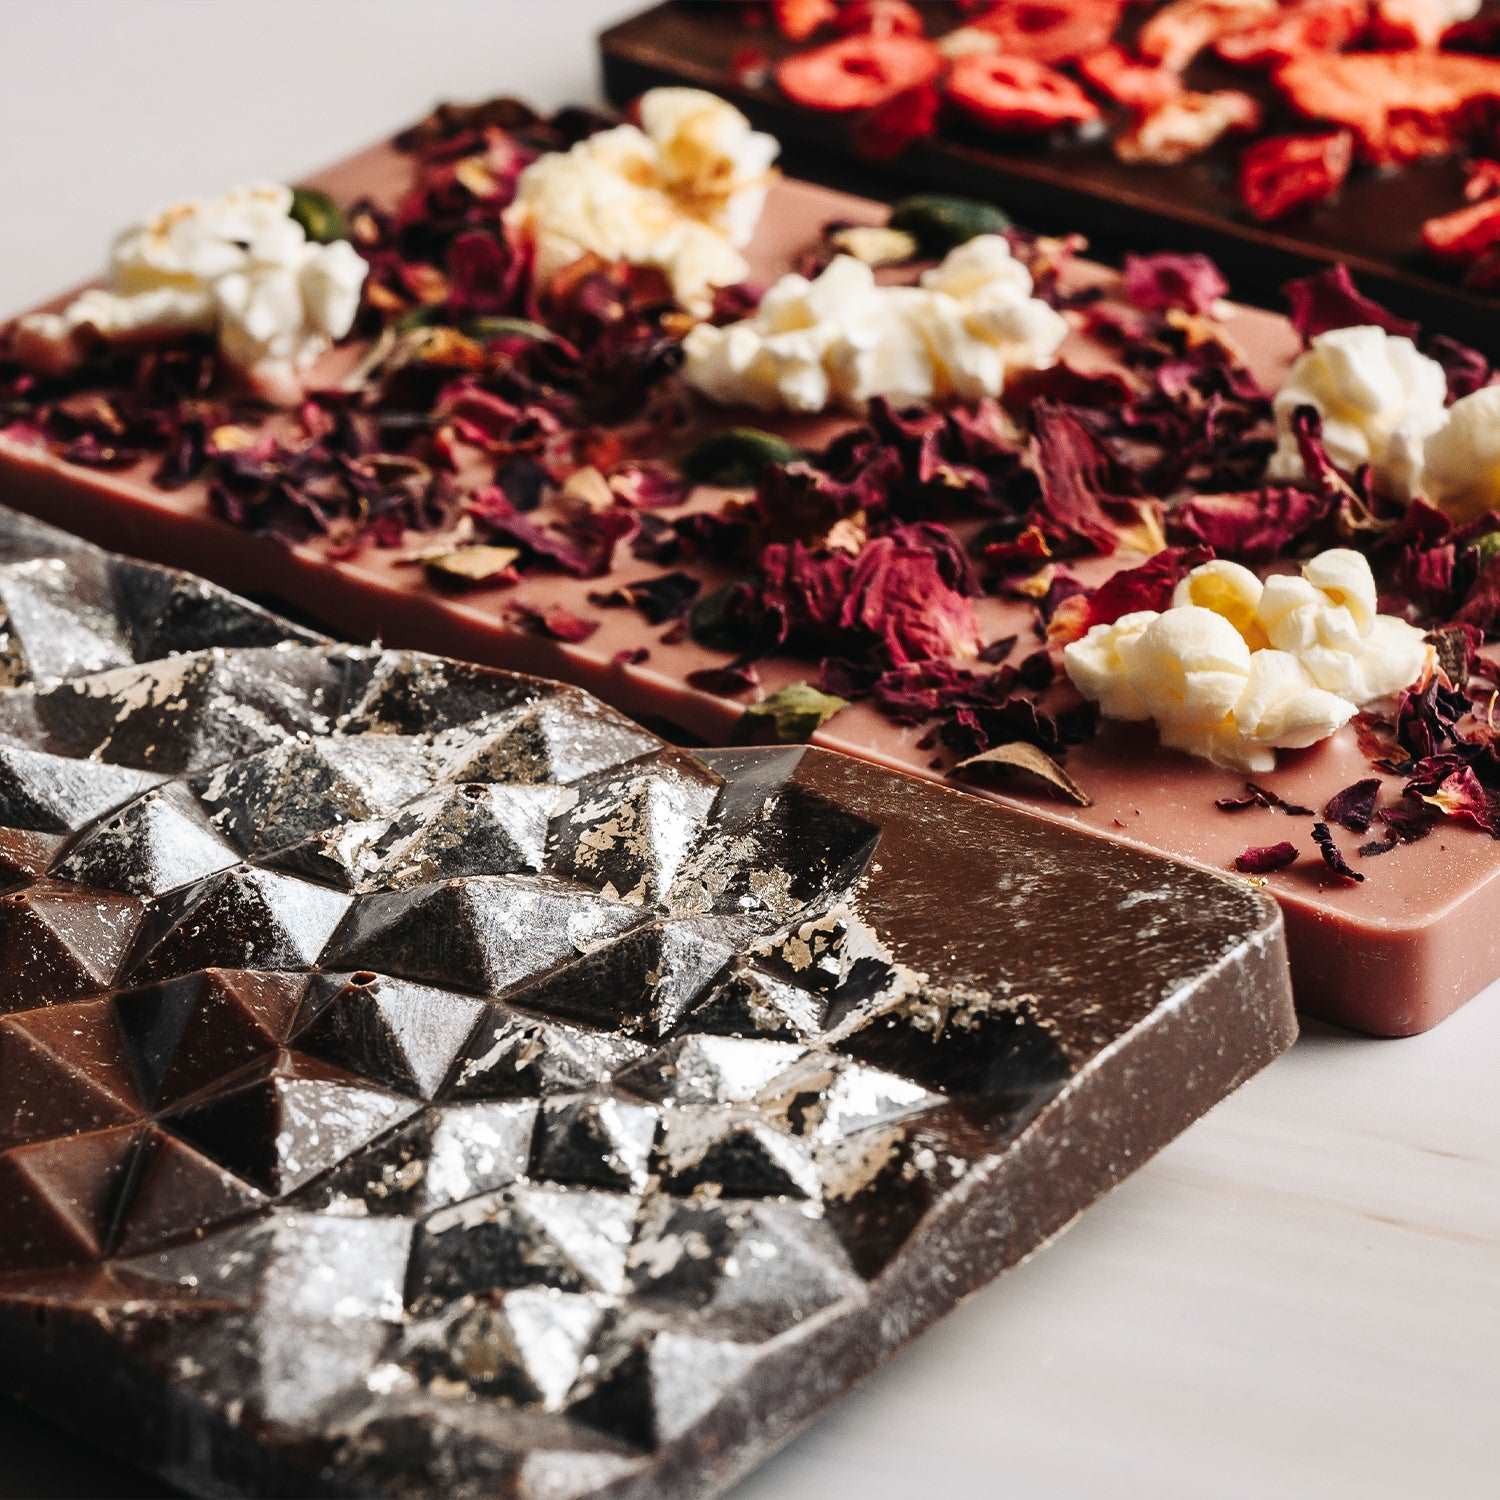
1354	807
554	621
1333	856
1262	859
1154	283
1329	299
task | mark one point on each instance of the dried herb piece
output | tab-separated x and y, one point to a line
797	711
1261	796
1017	757
939	221
1262	859
666	597
320	217
1333	856
1354	807
477	564
555	621
736	457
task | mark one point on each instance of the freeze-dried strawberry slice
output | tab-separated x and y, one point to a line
1050	31
796	20
1118	76
858	72
1400	105
881	18
1412	23
1016	93
1179	31
1304	26
1481	179
1186	125
1465	234
1284	172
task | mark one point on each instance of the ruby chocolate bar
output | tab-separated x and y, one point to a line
981	468
420	1079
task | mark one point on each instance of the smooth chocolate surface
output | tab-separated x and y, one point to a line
418	1079
1373	226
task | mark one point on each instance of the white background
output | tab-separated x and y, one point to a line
1301	1297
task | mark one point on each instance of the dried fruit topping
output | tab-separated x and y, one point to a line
1400	105
880	18
1180	30
1017	94
1287	172
938	221
1465	234
889	128
1126	80
797	20
1154	283
1412	23
1186	125
858	72
1296	29
1266	858
1050	31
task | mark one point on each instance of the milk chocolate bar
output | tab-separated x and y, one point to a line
419	1079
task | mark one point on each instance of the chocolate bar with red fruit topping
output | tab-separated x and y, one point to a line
330	509
1288	151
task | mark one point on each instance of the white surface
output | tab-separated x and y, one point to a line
1301	1297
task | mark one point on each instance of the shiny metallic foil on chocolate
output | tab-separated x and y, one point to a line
418	1079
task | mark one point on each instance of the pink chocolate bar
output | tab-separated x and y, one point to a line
1392	956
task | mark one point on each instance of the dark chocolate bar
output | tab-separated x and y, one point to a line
419	1079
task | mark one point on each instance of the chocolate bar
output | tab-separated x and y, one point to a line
1392	955
419	1078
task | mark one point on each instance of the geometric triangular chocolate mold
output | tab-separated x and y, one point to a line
597	1139
60	618
737	1150
752	1003
152	845
615	1396
710	1069
434	1159
280	1128
243	918
557	739
689	1374
58	942
175	1191
778	848
62	1069
402	1035
484	933
574	1239
25	855
185	1034
57	794
298	790
164	612
514	1056
632	827
60	1197
471	829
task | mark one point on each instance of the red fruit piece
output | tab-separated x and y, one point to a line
1179	31
889	128
1400	105
1186	125
858	72
1050	31
1016	93
1465	234
1481	179
1284	172
881	18
1304	26
1411	23
796	20
1118	76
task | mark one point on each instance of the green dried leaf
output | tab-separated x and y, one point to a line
1486	548
480	563
319	215
1019	758
797	711
736	456
940	221
495	327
